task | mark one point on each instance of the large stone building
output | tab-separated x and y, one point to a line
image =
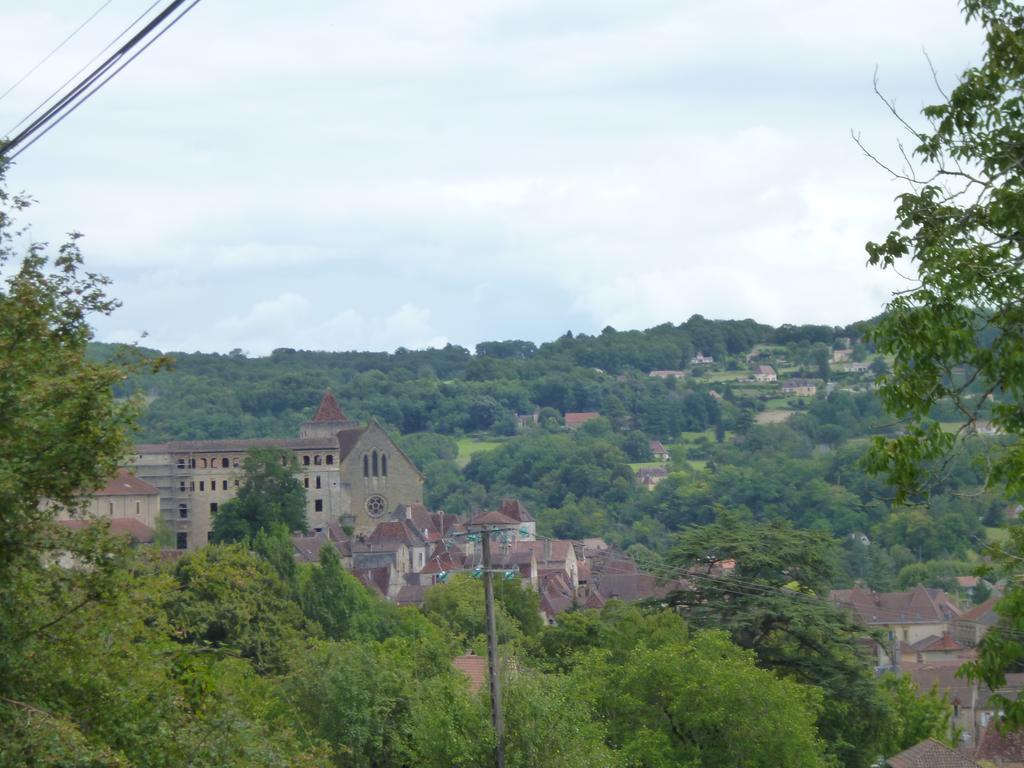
354	474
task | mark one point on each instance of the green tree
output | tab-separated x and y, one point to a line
917	716
336	599
957	332
270	494
771	603
703	702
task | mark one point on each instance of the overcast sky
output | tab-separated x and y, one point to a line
331	174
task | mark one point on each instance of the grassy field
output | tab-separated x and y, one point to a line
470	445
647	464
772	417
996	535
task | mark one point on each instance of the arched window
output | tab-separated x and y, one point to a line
225	463
384	464
316	459
376	467
330	458
305	461
366	465
203	465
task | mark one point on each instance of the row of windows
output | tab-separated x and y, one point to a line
138	507
202	463
183	510
202	485
224	463
316	484
328	459
375	464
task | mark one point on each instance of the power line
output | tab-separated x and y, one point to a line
85	66
46	58
89	86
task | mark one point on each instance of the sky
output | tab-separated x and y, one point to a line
357	174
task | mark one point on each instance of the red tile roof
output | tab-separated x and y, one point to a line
516	510
937	643
474	667
919	605
489	520
124	483
307	548
140	533
576	419
930	754
329	409
1005	749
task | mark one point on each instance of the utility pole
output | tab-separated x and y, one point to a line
497	717
485	524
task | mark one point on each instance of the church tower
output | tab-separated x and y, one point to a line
328	420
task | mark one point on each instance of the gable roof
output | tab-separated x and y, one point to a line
984	613
140	533
473	667
347	440
124	483
936	644
490	519
392	533
516	510
1000	748
575	419
930	754
919	605
329	409
307	548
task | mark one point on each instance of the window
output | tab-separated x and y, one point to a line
213	507
223	485
202	485
110	506
138	507
181	463
330	458
181	486
316	459
234	462
305	461
305	482
236	482
192	463
318	481
191	485
204	463
376	467
182	540
906	635
225	463
318	505
366	466
183	511
384	464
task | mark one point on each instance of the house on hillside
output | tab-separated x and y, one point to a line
800	387
765	374
702	359
575	420
659	451
649	477
970	627
904	617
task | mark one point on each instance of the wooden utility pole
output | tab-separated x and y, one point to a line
497	717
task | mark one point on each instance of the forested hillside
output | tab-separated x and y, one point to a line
490	424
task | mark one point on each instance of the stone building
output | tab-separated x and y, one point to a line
353	474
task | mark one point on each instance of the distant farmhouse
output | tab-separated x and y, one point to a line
578	419
765	373
702	359
800	387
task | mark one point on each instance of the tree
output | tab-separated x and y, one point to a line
62	432
917	716
770	603
957	332
270	494
704	702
